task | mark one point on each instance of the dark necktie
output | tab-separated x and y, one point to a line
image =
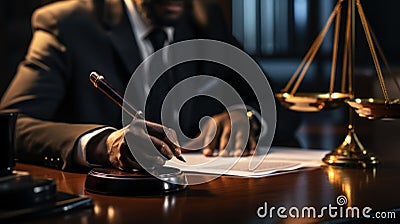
157	38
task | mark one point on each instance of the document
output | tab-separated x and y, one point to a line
278	160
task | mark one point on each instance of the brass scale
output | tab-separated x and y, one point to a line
351	153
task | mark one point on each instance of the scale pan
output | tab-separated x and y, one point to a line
376	108
312	102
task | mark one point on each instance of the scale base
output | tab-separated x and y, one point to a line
115	182
351	153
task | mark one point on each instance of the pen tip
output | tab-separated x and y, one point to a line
181	158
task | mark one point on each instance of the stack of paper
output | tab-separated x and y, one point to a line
278	160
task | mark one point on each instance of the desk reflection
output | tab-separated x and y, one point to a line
235	200
349	182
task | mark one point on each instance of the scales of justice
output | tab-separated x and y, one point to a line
351	153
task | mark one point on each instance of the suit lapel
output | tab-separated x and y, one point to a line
121	34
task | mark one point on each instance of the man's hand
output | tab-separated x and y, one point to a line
233	135
151	143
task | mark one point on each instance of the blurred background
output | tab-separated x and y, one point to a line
277	33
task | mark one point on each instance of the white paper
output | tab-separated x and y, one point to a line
278	160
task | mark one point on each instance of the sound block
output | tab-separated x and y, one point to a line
110	181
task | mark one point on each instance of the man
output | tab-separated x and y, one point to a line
67	124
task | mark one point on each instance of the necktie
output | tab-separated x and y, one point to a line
157	38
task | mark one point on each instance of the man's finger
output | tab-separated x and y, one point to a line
210	138
240	142
162	147
224	138
251	144
163	133
172	140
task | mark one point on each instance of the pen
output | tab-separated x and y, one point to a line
100	83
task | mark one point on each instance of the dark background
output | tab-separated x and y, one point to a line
16	32
15	35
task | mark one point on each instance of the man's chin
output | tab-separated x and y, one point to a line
168	20
165	12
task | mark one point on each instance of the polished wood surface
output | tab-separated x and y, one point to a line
233	199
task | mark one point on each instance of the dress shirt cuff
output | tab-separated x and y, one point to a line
80	152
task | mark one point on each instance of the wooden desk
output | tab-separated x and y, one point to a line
235	200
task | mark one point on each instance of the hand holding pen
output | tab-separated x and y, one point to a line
140	130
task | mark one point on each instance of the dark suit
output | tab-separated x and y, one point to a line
52	91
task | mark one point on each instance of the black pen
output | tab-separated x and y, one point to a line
100	83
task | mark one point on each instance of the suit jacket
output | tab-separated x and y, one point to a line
51	89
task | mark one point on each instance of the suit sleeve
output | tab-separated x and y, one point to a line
36	93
